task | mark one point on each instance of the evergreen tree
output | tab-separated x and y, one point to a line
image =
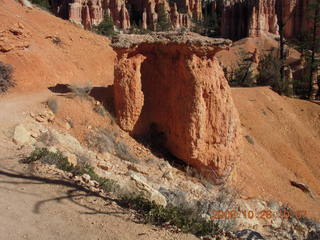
163	23
279	86
208	25
42	3
106	27
314	11
309	45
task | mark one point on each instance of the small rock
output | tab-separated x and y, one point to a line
49	115
304	187
68	126
250	139
21	135
52	149
248	234
40	119
34	135
206	217
78	179
86	178
16	31
105	156
167	175
93	183
26	3
103	166
164	166
135	168
141	185
72	158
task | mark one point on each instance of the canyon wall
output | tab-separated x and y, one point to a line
252	18
237	18
142	12
172	88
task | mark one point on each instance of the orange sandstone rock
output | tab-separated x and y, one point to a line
128	84
174	85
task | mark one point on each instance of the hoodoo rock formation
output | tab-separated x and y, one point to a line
252	18
238	18
172	87
143	13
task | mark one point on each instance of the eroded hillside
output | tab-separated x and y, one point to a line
279	136
46	50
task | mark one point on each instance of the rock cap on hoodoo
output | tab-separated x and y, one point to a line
192	41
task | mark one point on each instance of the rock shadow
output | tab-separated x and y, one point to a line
101	94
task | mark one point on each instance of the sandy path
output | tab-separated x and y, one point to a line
51	207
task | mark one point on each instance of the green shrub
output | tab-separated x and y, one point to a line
181	217
62	163
52	105
100	109
269	72
163	23
106	27
187	219
208	25
82	91
106	141
241	74
45	4
6	80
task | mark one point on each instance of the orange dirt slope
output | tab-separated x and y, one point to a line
45	50
286	134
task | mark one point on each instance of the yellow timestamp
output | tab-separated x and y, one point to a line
250	214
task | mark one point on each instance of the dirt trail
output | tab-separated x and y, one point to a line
51	207
42	208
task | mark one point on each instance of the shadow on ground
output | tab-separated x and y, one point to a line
101	94
72	192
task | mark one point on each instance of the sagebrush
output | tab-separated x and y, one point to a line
6	77
61	162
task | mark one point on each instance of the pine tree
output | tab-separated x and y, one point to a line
106	27
279	86
314	11
46	4
163	23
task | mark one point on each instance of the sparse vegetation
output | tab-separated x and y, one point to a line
52	105
208	25
56	40
269	71
47	139
61	162
99	108
45	4
242	73
82	91
6	80
184	218
163	23
135	29
106	141
106	27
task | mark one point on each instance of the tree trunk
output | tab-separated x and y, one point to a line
314	68
282	47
